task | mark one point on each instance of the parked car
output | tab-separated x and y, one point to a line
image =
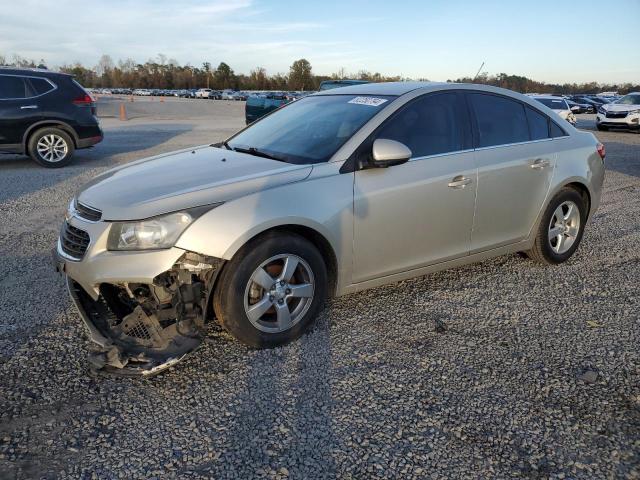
337	192
329	84
577	107
215	95
623	113
227	95
557	104
142	92
45	115
202	93
258	106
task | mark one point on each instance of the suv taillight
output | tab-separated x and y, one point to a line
83	100
601	151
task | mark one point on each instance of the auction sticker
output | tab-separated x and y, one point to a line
371	101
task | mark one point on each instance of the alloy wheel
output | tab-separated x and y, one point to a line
279	293
52	148
564	227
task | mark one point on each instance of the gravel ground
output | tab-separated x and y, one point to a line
502	369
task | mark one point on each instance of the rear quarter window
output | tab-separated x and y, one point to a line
557	131
40	86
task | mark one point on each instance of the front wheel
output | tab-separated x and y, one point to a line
271	291
561	228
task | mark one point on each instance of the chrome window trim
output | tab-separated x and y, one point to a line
444	154
55	87
514	144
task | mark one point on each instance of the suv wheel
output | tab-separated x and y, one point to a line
51	147
560	229
272	290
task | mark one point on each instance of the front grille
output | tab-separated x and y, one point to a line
74	242
616	114
87	212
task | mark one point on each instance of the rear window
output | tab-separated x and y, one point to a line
13	87
553	103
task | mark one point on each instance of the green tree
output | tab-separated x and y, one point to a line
300	77
224	76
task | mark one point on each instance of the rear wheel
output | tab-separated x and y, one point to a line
51	147
272	290
561	228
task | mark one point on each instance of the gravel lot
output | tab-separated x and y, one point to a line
535	373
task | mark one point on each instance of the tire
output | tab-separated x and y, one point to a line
250	312
55	157
602	128
552	249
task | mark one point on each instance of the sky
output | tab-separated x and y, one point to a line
547	40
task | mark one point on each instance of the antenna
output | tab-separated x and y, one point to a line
478	73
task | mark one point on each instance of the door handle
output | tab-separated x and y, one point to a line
26	107
540	163
459	181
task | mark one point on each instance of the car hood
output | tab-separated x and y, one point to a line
620	107
184	179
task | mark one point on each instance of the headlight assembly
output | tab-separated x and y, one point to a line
602	111
153	233
633	112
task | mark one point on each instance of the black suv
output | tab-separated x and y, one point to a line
46	115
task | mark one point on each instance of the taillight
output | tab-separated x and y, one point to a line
83	100
601	151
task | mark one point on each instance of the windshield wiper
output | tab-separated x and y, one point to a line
221	144
258	153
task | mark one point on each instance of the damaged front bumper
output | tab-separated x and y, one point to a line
144	326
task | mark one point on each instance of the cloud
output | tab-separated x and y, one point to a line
192	31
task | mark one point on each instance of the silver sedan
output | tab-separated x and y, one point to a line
340	191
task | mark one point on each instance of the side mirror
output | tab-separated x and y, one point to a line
575	108
386	153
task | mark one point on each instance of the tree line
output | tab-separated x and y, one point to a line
166	73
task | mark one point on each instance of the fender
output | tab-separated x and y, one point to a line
49	123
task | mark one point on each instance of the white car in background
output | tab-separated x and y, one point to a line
623	113
142	92
228	95
558	105
203	93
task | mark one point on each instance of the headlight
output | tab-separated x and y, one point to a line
602	110
154	233
633	112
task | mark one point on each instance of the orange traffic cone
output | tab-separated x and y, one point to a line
131	98
161	99
123	112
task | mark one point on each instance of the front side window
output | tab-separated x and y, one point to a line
500	120
629	100
12	87
311	129
538	124
430	125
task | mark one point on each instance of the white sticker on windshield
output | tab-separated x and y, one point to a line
371	101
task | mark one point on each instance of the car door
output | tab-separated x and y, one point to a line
515	166
420	212
18	111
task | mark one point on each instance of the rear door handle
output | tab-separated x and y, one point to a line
459	181
26	107
540	163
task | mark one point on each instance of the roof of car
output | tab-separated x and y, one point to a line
402	88
34	72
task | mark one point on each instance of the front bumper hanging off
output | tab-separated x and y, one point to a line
140	329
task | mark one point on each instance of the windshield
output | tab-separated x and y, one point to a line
311	129
554	104
630	100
